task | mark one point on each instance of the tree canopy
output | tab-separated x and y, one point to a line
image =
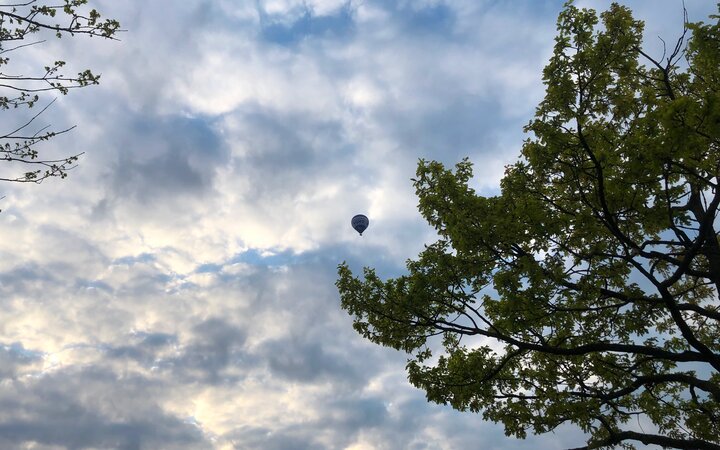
24	25
586	292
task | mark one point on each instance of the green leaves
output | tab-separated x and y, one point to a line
580	292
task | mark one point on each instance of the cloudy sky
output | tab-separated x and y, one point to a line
176	291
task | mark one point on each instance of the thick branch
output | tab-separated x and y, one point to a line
686	356
648	439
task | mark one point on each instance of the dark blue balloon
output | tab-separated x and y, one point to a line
360	223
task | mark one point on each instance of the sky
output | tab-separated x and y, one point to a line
176	291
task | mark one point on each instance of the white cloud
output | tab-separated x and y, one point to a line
184	271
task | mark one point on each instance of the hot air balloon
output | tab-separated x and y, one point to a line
360	223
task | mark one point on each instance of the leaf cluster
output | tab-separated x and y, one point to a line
587	291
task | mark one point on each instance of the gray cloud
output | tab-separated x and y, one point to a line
459	128
264	438
89	408
281	154
176	291
215	346
310	362
165	160
418	18
14	358
145	348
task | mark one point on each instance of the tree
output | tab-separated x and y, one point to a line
21	24
586	292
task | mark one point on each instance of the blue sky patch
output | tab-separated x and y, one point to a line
307	25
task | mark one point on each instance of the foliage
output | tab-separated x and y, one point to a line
21	26
586	292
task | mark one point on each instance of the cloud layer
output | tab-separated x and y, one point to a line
176	291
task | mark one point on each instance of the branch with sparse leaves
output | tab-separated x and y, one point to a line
24	25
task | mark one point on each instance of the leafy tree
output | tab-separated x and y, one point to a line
586	292
22	25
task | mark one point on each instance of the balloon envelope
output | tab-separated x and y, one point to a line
360	223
